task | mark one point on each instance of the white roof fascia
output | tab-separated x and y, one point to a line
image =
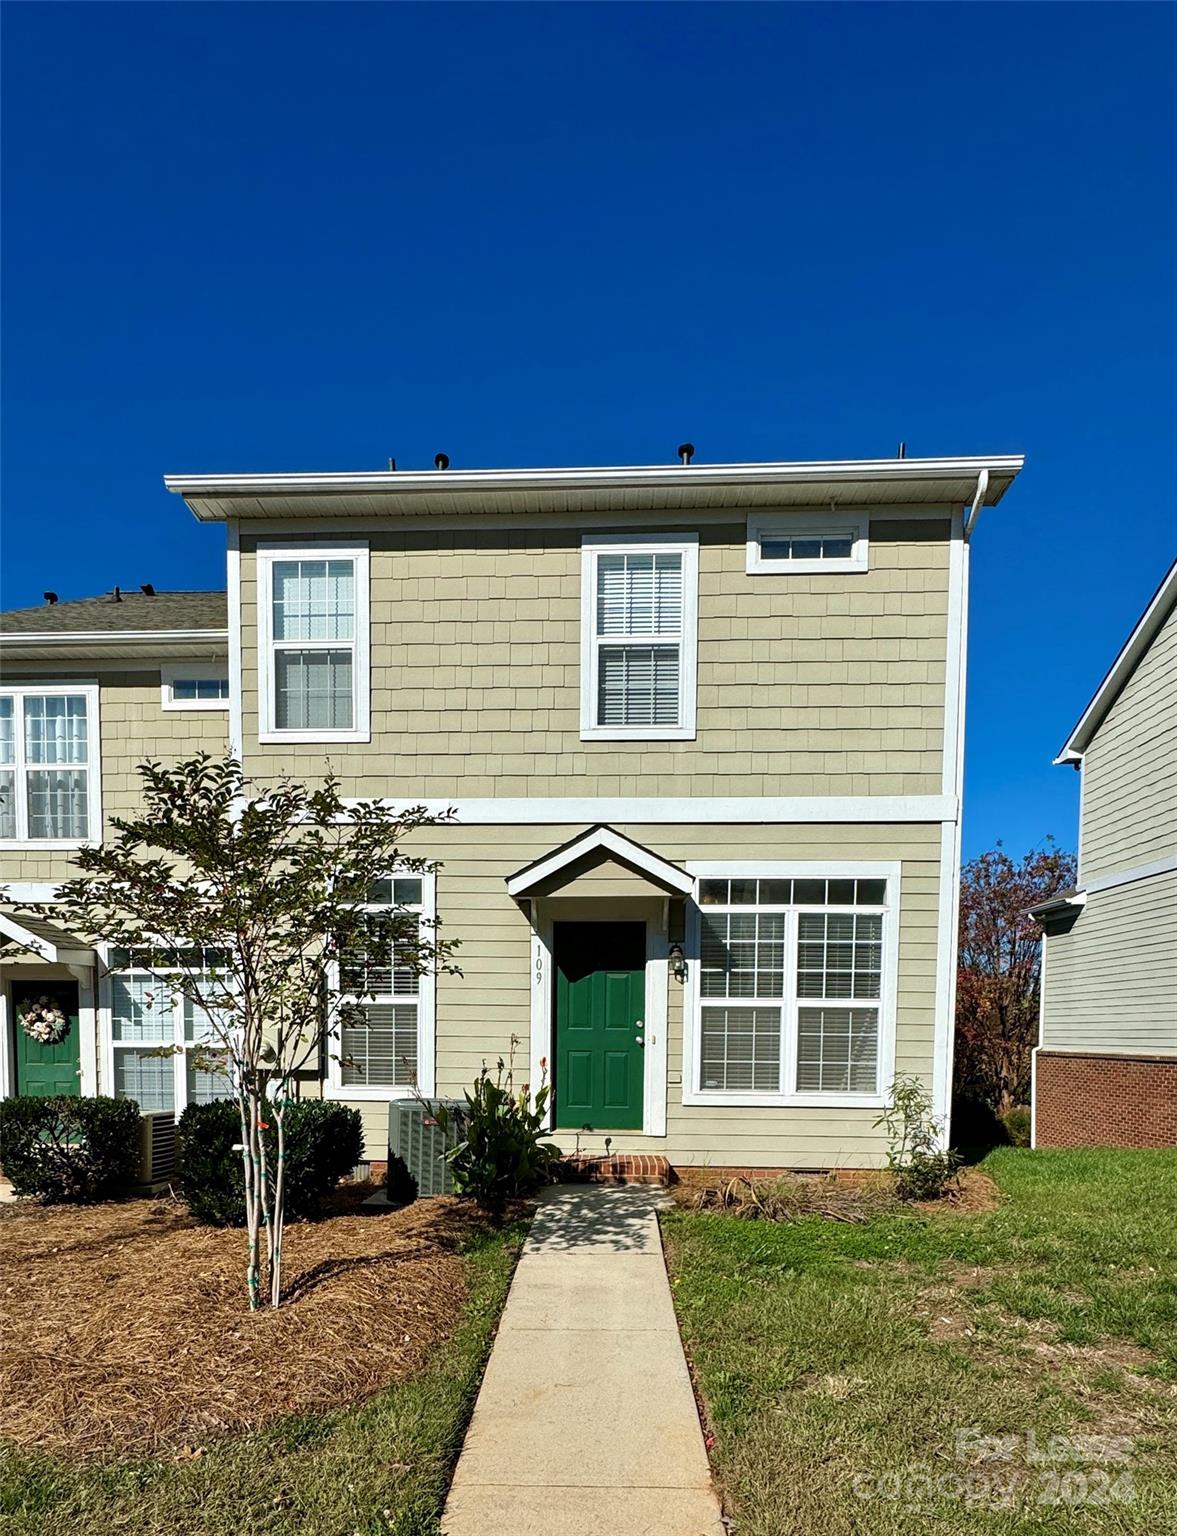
603	838
1121	669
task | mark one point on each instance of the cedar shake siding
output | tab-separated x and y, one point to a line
807	685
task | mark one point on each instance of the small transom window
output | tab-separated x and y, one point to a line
805	543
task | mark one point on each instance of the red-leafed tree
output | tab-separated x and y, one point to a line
999	969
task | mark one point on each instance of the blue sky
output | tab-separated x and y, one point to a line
306	237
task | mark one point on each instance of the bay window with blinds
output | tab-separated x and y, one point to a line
313	642
639	604
50	774
793	994
381	1036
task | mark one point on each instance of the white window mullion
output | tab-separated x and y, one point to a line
789	1023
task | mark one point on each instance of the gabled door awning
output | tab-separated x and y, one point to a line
39	937
601	841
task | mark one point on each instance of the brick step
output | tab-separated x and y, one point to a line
620	1168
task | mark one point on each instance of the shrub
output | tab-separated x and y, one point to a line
1017	1123
500	1152
324	1142
976	1129
923	1169
63	1148
399	1183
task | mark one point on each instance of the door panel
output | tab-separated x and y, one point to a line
45	1069
600	1004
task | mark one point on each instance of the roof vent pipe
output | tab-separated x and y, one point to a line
686	452
441	461
116	596
50	597
392	465
147	589
902	454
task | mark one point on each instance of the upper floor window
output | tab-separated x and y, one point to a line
50	790
639	605
807	542
795	987
189	687
313	642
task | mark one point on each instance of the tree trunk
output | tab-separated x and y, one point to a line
278	1214
247	1105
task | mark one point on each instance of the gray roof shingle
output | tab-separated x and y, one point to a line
135	612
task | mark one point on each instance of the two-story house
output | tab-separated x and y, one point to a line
700	728
1105	1070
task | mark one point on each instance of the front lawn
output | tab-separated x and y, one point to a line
853	1376
343	1412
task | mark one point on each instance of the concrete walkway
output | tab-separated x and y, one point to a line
586	1422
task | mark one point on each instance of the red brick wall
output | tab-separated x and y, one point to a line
1105	1101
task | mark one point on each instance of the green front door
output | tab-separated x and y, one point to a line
45	1069
600	1009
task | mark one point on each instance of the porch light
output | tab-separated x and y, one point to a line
678	962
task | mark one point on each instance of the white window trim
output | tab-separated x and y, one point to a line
202	672
693	1093
93	765
314	549
334	1087
178	1044
594	544
813	523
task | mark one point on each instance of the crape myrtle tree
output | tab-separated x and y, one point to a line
999	969
245	899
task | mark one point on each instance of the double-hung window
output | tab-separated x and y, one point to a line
381	1044
164	1051
794	993
313	642
639	605
50	789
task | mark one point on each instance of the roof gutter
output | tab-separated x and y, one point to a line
633	476
63	637
970	521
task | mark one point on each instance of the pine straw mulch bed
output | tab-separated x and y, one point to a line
124	1329
842	1196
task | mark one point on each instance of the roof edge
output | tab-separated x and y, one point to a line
1117	675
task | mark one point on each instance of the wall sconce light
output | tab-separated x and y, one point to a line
678	962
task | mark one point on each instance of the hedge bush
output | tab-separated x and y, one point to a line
63	1148
324	1142
1017	1124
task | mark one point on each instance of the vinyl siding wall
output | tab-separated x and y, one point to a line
133	726
807	685
478	1012
1111	981
1129	814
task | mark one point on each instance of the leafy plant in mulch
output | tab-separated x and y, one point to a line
60	1148
499	1151
324	1142
923	1167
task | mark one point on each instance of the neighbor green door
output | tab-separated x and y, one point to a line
600	1008
45	1069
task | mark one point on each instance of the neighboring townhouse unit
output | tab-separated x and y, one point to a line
701	730
1105	1070
88	690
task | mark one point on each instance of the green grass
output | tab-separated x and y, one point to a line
383	1467
830	1356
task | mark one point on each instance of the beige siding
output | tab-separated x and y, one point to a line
1130	768
1111	981
807	685
133	726
478	1013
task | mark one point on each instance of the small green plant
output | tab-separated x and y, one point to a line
61	1148
499	1150
399	1183
324	1142
1017	1123
924	1168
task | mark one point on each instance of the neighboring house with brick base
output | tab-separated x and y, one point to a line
1105	1070
701	729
